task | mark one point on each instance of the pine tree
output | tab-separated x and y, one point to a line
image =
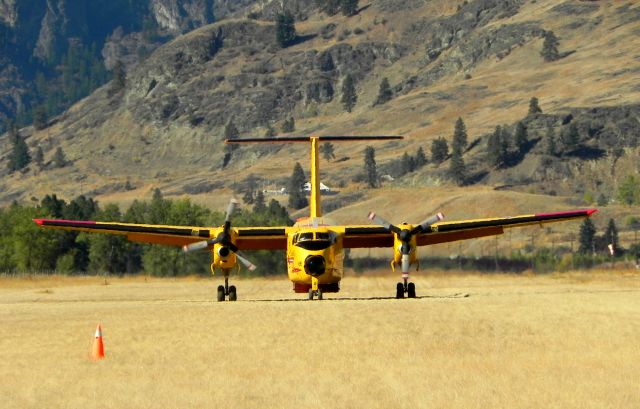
230	132
349	7
19	157
550	47
247	198
611	235
571	138
550	139
40	117
384	92
407	164
330	7
534	107
629	190
119	78
297	197
349	96
269	132
327	151
457	169
285	29
439	150
497	148
289	125
59	160
259	204
38	157
421	158
459	136
370	170
521	137
587	236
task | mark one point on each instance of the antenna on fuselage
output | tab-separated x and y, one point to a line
314	202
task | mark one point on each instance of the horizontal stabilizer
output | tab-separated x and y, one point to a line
289	139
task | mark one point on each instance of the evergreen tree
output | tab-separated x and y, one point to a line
297	196
439	150
19	157
611	235
497	148
571	138
550	142
330	7
349	96
119	78
59	160
407	164
247	198
327	151
38	157
289	125
587	236
230	132
384	92
349	7
269	132
457	169
40	117
259	204
285	29
521	137
370	170
421	158
534	107
459	136
550	47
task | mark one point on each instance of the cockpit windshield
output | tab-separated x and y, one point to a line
313	242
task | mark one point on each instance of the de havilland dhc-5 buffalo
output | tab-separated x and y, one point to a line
314	245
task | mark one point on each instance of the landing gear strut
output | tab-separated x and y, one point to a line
227	290
405	288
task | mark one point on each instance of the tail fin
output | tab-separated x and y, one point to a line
314	206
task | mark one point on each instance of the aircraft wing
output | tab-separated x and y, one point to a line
248	238
443	232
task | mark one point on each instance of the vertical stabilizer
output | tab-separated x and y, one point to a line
314	206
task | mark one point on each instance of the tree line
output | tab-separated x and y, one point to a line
26	248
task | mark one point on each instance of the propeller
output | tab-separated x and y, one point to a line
405	235
223	238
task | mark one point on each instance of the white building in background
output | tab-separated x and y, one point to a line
323	187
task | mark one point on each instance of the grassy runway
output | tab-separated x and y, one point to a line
567	340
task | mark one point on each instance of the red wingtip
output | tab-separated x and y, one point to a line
591	211
39	221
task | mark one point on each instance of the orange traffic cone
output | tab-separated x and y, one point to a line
97	352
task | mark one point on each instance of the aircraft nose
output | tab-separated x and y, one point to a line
314	265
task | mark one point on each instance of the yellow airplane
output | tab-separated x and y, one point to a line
314	245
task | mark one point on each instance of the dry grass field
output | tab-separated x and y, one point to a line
478	341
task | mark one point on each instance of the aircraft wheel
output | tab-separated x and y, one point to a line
220	293
233	295
411	290
319	294
399	290
311	294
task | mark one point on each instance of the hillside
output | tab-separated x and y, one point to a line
479	60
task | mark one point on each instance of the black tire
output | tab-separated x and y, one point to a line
399	290
233	295
310	294
319	294
411	290
220	293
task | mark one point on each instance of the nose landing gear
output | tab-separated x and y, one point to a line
405	288
227	290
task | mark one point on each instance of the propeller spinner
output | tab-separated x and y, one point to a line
223	239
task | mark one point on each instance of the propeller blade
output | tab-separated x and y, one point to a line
424	225
249	265
200	245
406	263
382	222
233	203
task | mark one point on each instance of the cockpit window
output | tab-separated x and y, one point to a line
305	236
309	241
314	245
322	236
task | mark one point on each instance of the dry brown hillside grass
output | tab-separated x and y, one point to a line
567	341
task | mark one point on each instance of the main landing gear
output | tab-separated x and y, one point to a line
227	290
405	288
317	293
